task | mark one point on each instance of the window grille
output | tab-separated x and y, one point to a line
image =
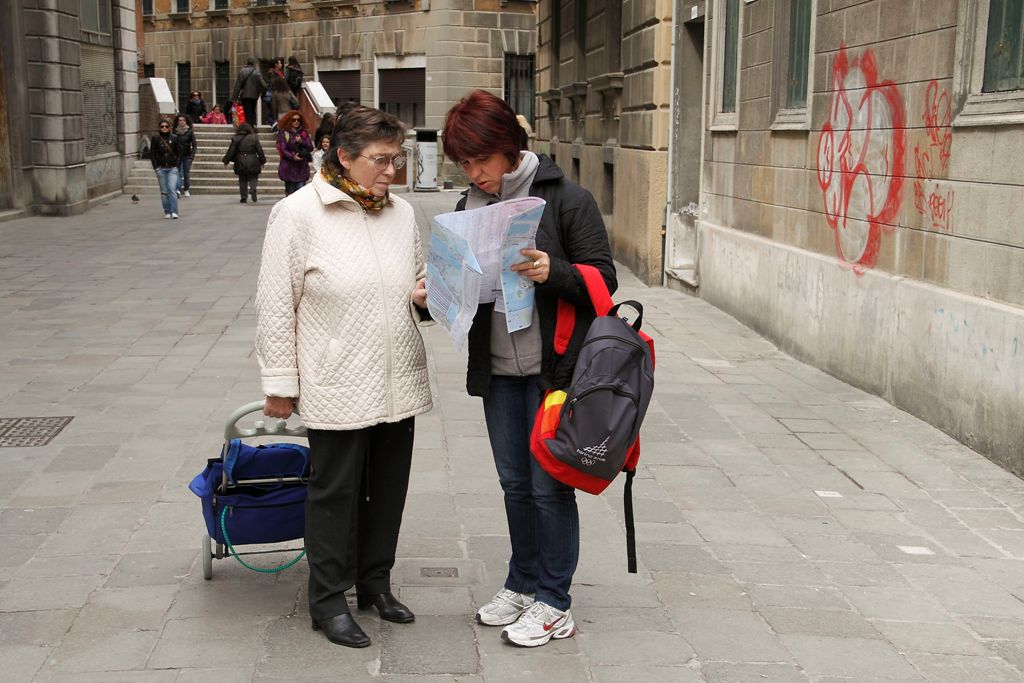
520	88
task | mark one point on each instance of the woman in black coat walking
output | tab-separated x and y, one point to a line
247	153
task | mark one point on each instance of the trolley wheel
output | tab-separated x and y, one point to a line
219	553
207	558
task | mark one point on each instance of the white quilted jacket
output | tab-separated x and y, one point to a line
335	324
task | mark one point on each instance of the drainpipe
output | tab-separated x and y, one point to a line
666	236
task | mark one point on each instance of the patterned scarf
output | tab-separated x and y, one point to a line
366	199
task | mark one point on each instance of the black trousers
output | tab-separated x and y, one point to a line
357	485
247	182
249	107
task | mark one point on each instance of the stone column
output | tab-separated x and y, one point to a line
55	105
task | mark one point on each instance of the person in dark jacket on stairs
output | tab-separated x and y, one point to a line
249	88
247	154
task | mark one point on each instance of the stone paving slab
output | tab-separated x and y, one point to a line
790	527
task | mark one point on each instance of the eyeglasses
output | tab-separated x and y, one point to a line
164	125
382	162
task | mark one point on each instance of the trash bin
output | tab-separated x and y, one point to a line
426	160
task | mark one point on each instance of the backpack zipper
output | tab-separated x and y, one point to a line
600	387
608	336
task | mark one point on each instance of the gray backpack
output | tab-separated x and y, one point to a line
589	433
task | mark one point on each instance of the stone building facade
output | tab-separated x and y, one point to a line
603	77
415	58
859	196
68	102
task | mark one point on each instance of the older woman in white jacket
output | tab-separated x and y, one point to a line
339	297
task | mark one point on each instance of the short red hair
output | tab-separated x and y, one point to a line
481	124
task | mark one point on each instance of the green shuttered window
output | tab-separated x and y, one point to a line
1004	58
729	55
799	53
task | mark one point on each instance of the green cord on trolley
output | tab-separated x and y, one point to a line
227	542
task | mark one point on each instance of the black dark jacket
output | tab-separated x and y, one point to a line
247	153
195	111
293	76
571	231
164	152
187	143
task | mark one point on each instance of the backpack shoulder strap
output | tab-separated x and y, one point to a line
596	287
565	320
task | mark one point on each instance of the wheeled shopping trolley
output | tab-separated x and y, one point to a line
253	495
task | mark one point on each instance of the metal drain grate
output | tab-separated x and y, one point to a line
439	572
22	432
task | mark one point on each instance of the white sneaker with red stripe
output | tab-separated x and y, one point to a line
539	624
504	608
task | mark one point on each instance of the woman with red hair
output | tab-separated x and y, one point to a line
510	371
295	149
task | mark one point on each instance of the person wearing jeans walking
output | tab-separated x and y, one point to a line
187	147
510	371
165	153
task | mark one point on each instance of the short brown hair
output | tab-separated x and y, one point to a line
359	127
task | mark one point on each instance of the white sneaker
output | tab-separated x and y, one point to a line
167	215
538	625
179	192
187	193
174	215
504	608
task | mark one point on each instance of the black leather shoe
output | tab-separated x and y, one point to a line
387	606
342	630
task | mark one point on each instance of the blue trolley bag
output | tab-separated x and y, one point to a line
253	495
267	512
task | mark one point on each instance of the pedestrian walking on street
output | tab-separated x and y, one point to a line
296	151
336	332
165	153
511	371
248	88
247	154
293	74
195	108
187	145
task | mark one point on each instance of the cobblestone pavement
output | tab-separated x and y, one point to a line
791	527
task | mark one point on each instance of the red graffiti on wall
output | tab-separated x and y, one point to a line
861	158
932	159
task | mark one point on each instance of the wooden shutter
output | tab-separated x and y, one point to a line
341	86
403	86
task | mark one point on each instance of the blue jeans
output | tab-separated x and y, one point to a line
168	178
543	521
291	186
185	174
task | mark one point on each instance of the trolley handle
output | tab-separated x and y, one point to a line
271	426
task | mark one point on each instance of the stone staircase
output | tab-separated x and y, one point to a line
208	173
